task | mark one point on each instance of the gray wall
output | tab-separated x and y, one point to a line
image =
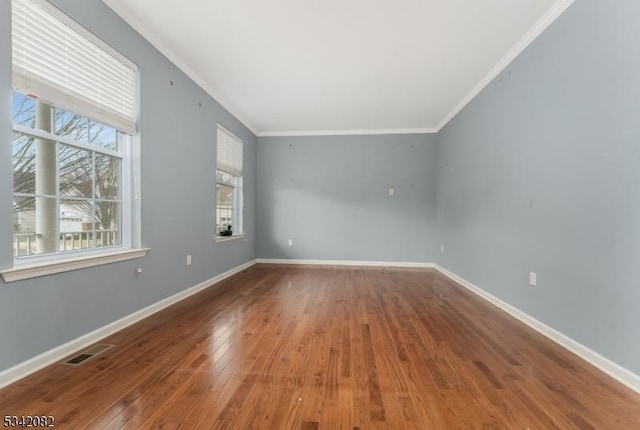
541	172
178	199
330	195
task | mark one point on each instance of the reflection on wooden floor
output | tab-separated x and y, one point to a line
329	347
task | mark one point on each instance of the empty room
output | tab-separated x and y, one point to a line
320	215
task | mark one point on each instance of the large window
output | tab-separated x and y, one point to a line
74	124
228	184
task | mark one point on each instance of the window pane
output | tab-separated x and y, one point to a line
224	207
76	171
102	136
76	240
81	129
23	108
225	177
76	215
24	164
32	236
76	224
24	226
107	177
108	230
71	125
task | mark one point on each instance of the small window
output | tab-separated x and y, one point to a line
228	184
74	125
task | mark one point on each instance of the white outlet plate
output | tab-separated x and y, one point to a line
189	260
442	248
533	279
290	242
391	191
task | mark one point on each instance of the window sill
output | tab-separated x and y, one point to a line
229	238
51	267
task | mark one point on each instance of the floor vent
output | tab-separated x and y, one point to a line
86	355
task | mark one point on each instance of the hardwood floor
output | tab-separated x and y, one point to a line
329	347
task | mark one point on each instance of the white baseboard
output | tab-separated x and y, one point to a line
56	354
609	367
344	263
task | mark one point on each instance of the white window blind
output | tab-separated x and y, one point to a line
58	60
229	152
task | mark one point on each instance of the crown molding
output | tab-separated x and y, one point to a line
348	132
541	25
547	19
176	59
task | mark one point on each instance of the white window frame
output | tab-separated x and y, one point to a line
236	173
124	153
128	151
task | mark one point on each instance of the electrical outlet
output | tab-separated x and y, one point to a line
189	260
532	279
391	191
442	247
139	270
290	242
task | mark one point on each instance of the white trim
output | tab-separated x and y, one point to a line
176	59
219	239
545	21
609	367
208	88
348	132
345	263
127	170
28	271
541	25
56	354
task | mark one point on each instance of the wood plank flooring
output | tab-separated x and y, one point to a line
290	347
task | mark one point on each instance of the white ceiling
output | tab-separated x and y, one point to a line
304	67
